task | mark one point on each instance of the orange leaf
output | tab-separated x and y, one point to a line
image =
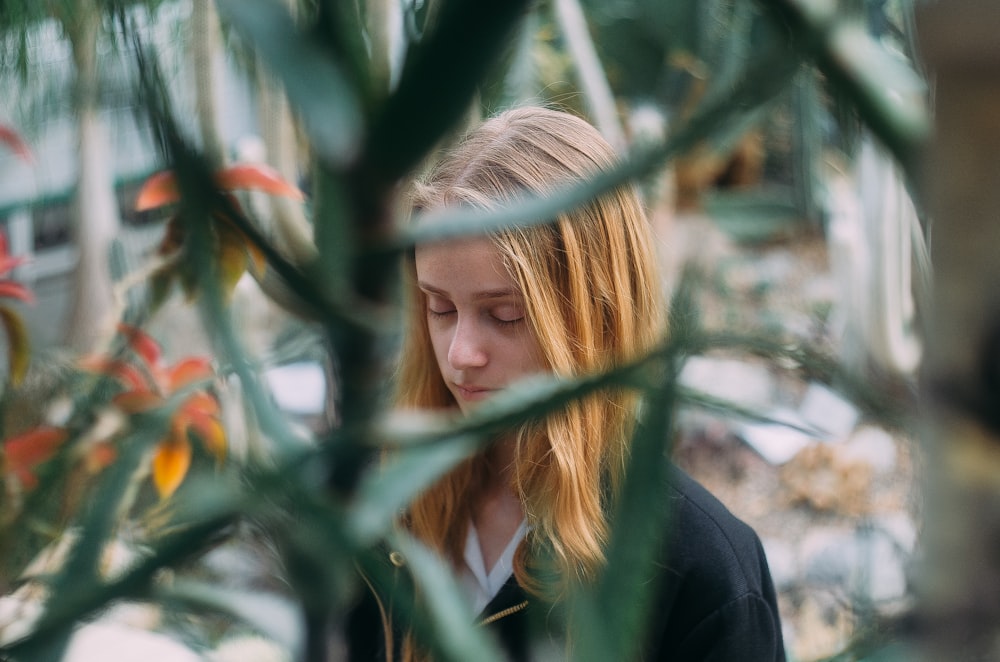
14	290
202	403
187	371
210	432
230	233
142	344
101	455
127	374
18	344
232	256
159	190
170	464
26	451
133	402
257	177
10	138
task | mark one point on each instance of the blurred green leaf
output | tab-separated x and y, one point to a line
447	611
18	344
438	82
314	82
388	489
769	77
884	89
267	613
610	619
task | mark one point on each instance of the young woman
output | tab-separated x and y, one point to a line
572	297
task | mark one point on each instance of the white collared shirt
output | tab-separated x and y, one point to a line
482	586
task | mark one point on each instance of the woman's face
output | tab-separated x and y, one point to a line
476	319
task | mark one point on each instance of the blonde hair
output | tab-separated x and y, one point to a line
593	300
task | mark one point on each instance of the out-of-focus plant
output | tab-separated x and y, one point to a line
148	384
368	133
235	252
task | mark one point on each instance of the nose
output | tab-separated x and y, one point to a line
467	348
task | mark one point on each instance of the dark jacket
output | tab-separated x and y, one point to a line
715	601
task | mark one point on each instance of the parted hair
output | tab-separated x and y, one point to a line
592	294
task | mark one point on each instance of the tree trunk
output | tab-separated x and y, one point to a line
960	585
96	219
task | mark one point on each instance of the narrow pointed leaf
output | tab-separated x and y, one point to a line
14	290
232	233
446	611
16	144
255	177
188	371
612	622
170	464
717	114
8	261
159	190
133	402
209	431
127	374
233	259
24	452
142	344
390	487
314	82
100	456
18	344
438	82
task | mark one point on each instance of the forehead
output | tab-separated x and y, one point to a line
462	264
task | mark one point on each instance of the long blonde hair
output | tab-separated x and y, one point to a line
593	299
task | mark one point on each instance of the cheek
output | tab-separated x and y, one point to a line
532	359
440	342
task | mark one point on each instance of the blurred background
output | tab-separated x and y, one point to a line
784	150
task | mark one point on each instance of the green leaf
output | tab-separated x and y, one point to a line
445	613
611	618
268	614
759	84
314	82
438	83
387	489
885	90
18	344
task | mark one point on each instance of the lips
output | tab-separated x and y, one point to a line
471	392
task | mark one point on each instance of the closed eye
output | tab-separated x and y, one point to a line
507	323
508	315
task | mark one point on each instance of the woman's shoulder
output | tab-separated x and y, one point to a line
717	594
699	521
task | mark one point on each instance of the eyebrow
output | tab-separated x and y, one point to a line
478	296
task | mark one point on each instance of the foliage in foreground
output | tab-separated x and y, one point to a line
366	138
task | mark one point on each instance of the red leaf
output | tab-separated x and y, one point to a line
26	451
257	177
187	371
142	344
14	290
202	403
101	455
133	402
127	374
10	138
159	190
7	261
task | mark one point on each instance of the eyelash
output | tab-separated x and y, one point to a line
499	322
